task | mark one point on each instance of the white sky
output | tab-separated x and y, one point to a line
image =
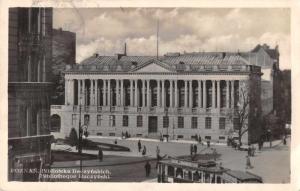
104	30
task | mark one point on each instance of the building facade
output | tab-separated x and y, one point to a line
30	47
63	53
176	96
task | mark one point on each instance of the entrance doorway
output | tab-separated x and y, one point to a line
152	125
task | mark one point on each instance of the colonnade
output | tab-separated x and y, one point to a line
152	93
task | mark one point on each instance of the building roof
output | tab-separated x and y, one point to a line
273	53
191	62
243	175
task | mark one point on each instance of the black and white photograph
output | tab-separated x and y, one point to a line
149	95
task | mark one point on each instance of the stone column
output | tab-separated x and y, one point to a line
204	94
104	93
176	93
185	94
131	93
83	92
143	94
136	93
109	93
218	94
66	91
148	93
96	92
190	94
227	94
79	91
117	92
199	94
163	94
158	93
122	93
213	94
92	92
232	94
71	92
171	93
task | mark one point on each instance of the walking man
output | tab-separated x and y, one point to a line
192	149
157	150
139	146
147	168
248	163
100	154
144	151
195	149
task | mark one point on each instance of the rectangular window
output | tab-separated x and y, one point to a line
74	118
207	122
112	134
194	122
179	136
112	121
139	121
221	138
99	118
86	119
139	135
236	123
207	137
222	123
165	121
99	134
125	120
180	122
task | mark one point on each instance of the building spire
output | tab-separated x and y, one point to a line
125	49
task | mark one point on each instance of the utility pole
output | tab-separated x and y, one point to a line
157	38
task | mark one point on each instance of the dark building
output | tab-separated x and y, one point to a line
64	53
29	86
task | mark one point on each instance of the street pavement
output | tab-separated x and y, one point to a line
272	164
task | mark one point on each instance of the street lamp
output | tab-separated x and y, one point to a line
80	138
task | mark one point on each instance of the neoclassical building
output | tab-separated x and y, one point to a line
175	95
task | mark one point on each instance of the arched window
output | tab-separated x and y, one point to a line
55	123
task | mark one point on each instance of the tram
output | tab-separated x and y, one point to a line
187	169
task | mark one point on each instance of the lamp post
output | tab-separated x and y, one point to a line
80	139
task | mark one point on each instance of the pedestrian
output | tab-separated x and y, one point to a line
123	135
144	151
249	150
192	149
147	168
126	135
195	149
157	150
100	154
199	139
116	142
208	144
215	154
248	162
284	140
139	146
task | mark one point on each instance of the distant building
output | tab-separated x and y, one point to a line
63	53
180	96
29	86
268	59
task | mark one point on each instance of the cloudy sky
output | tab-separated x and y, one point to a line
180	29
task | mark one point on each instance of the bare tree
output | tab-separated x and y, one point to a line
241	113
